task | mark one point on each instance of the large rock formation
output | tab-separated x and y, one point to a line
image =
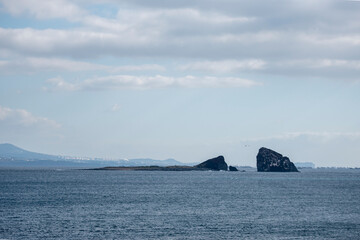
233	169
216	164
268	160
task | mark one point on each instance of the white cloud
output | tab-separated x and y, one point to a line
330	63
281	34
225	66
323	136
72	43
318	64
128	19
145	82
327	68
23	118
133	68
59	84
266	46
191	81
33	64
168	16
47	64
116	107
43	9
250	37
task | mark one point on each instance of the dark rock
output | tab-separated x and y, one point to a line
268	160
216	164
233	169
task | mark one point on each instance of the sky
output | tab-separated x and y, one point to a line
188	80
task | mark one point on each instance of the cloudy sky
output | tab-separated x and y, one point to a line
184	79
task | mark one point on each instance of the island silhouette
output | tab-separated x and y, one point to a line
267	160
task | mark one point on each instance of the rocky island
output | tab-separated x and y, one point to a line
233	169
268	160
213	164
216	164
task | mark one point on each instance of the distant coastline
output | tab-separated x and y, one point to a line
152	168
213	164
14	157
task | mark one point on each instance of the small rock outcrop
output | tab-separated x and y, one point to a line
216	164
268	160
233	169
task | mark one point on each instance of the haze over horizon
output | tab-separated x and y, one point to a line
187	80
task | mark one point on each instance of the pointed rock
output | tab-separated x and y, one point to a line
268	160
216	164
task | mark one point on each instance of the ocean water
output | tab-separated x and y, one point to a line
84	204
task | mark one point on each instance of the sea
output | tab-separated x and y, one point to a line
87	204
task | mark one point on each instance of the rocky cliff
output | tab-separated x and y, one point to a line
268	160
216	164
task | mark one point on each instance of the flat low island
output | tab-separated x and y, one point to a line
213	164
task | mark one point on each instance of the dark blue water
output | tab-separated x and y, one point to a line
73	204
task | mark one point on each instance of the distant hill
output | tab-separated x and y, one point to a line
9	151
13	156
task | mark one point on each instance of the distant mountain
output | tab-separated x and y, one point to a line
12	156
9	151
